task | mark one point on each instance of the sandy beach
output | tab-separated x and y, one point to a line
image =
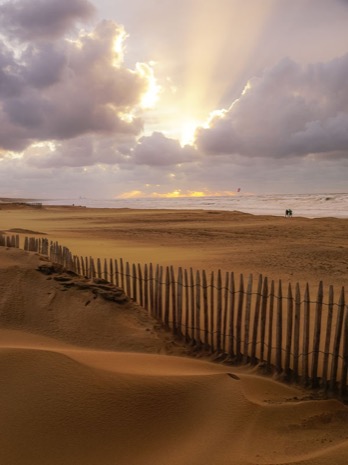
292	249
86	381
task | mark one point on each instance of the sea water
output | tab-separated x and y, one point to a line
305	205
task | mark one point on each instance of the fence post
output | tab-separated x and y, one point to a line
263	318
279	331
141	295
337	342
289	325
212	312
99	271
219	312
188	333
198	308
83	271
256	321
297	331
179	301
146	287
205	310
174	309
224	319
167	299
128	280
239	319
306	325
345	358
316	336
111	268
232	304
117	275
328	338
135	283
160	294
192	306
122	274
247	319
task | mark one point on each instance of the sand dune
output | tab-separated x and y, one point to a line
60	408
95	385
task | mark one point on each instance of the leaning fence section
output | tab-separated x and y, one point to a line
243	320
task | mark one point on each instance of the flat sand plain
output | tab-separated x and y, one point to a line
87	381
292	249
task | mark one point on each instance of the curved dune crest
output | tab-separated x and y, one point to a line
93	385
65	411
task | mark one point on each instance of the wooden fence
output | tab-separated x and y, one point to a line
242	321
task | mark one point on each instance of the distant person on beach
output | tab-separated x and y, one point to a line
288	212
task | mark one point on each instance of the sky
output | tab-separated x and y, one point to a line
169	98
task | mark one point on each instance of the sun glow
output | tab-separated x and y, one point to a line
118	47
188	130
152	91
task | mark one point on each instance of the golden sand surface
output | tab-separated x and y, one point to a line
292	249
92	382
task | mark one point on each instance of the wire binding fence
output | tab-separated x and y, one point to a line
242	321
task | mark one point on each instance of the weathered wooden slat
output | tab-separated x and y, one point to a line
134	283
297	328
146	287
337	342
219	312
167	299
224	328
305	343
205	309
179	301
117	274
156	292
246	352
99	271
263	319
198	308
256	321
343	384
316	336
160	294
174	307
289	328
212	311
231	336
121	274
128	280
83	269
87	268
106	274
325	383
111	268
239	319
141	285
188	333
192	306
279	329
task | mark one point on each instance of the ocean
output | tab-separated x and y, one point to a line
304	205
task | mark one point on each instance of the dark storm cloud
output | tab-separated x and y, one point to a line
288	110
25	20
63	89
